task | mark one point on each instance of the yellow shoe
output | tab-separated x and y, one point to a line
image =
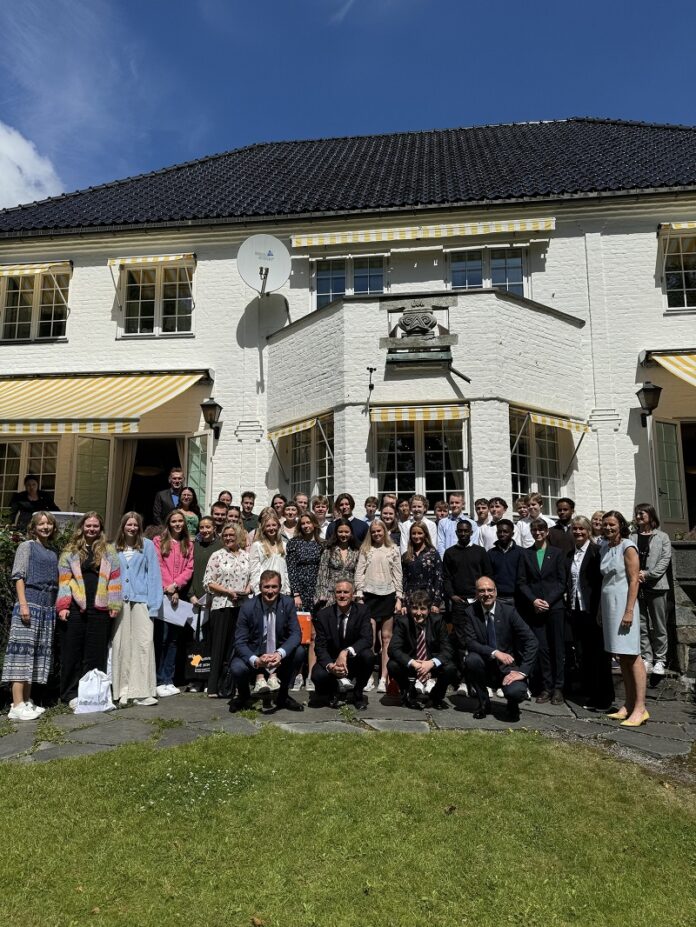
645	717
619	715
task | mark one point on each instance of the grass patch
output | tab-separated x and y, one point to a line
346	831
160	725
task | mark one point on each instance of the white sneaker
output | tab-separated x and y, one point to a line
499	693
173	689
419	687
23	712
309	685
382	684
429	686
72	703
297	684
123	701
261	687
370	684
659	669
38	708
273	682
145	702
345	684
648	666
162	691
463	689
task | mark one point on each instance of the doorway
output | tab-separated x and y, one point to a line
154	458
688	435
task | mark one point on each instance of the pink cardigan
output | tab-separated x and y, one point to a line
175	568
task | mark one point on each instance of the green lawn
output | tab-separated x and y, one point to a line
331	830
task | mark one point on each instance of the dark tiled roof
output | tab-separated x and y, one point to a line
406	170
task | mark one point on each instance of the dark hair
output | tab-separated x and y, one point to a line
195	507
505	521
248	494
333	540
624	529
31	476
219	505
568	501
315	525
224	492
539	523
270	574
345	495
651	513
500	501
372	499
421	597
481	501
205	518
177	469
235	507
279	495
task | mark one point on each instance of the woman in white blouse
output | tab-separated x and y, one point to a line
268	553
227	580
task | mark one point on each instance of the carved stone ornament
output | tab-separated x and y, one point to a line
418	320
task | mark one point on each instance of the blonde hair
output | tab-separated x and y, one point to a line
367	544
120	542
277	547
239	532
78	543
35	519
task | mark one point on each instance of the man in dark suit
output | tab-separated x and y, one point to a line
343	647
502	650
168	499
421	654
561	534
542	582
265	641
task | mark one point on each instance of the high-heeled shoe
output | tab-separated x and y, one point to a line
627	723
619	715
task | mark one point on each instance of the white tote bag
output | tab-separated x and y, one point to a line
94	693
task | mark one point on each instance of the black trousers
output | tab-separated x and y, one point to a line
549	630
359	668
84	646
595	663
483	674
243	674
222	623
445	675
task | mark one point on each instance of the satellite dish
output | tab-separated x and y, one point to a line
263	262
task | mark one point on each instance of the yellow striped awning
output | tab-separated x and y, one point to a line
110	404
26	270
292	429
677	226
414	232
418	413
681	365
152	259
565	423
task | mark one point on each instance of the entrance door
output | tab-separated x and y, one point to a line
669	476
154	458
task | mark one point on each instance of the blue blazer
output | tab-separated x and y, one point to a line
248	637
141	579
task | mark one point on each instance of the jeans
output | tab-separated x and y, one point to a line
166	641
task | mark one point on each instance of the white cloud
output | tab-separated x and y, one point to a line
25	175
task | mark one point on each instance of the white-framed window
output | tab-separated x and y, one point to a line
34	307
535	460
503	268
680	272
157	300
418	457
19	457
311	459
336	277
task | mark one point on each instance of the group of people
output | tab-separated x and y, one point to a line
343	605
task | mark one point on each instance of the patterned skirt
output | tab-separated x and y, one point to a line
30	647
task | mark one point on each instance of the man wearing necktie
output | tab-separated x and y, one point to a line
421	651
343	647
502	650
266	638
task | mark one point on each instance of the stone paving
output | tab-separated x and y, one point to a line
182	719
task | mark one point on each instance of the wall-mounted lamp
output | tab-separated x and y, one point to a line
211	414
649	399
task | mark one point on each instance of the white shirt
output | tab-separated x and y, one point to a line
577	600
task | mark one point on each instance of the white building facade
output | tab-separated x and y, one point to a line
549	313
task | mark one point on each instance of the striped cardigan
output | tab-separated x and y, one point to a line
71	585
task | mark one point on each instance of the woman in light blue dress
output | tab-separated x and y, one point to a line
620	567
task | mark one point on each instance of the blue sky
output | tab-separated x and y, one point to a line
94	90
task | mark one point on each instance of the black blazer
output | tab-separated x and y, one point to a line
549	583
162	506
404	640
589	579
248	636
512	635
327	644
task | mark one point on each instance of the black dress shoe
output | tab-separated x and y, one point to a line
482	710
239	704
543	697
288	703
334	702
557	697
437	704
512	713
360	703
408	701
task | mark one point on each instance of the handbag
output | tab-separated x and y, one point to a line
197	667
94	693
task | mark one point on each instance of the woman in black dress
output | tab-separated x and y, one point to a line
303	556
422	569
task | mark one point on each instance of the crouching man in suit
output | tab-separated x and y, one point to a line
343	647
265	641
502	650
421	656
